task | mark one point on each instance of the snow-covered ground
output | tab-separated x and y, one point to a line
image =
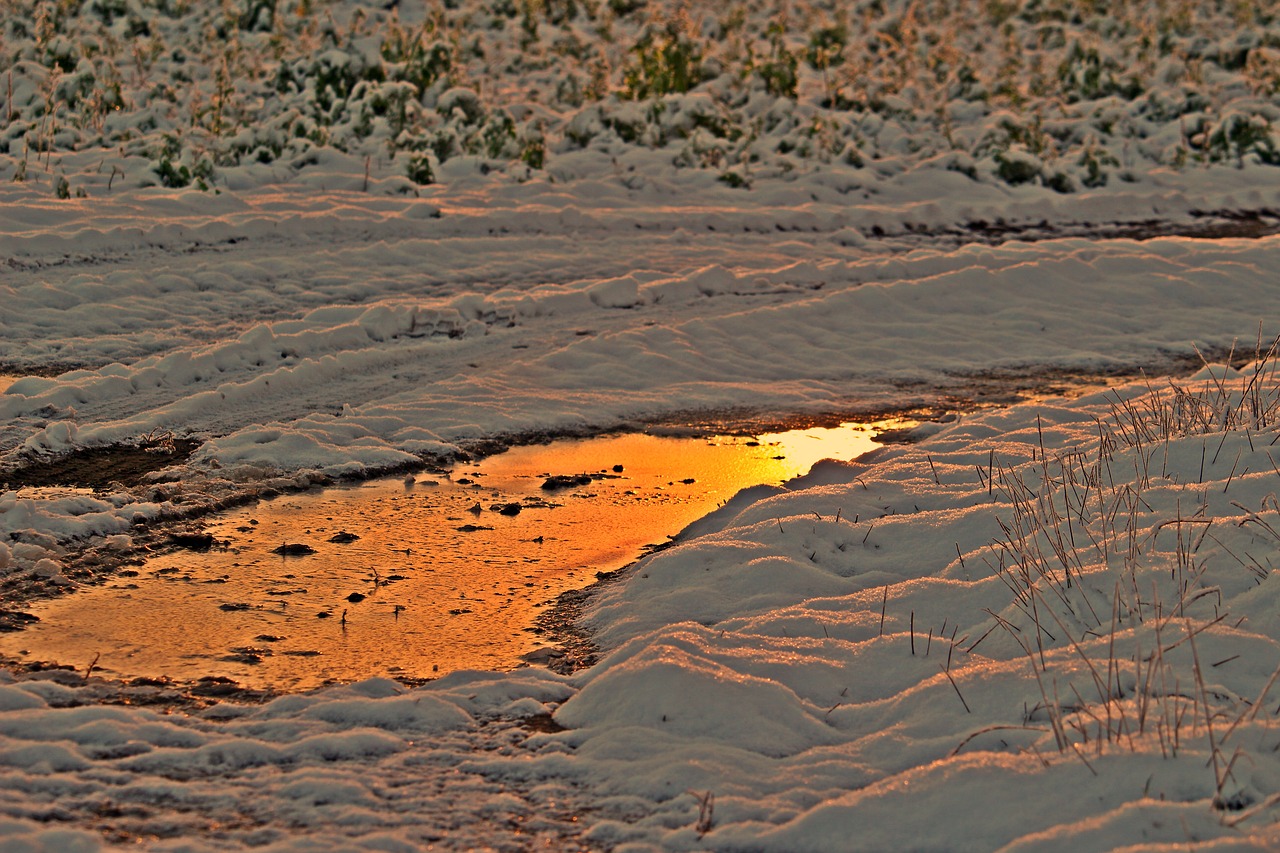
315	246
1048	627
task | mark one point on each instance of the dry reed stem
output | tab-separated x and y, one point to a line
947	673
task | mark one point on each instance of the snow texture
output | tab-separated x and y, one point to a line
317	247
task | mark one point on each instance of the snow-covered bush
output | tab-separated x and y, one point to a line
196	94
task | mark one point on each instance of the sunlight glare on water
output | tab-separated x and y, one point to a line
447	573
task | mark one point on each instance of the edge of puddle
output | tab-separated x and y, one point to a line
661	502
571	646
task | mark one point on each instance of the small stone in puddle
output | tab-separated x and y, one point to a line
343	537
293	549
16	620
193	541
268	638
566	481
507	509
472	528
233	606
245	655
356	597
688	481
618	469
215	685
541	656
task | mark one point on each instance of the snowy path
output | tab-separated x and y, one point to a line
805	667
426	327
139	295
353	333
750	663
296	337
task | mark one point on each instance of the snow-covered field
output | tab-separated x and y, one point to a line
319	242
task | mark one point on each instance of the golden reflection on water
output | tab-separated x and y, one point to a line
439	579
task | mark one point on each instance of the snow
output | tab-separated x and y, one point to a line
854	721
821	658
330	242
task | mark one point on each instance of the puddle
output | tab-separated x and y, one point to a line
447	573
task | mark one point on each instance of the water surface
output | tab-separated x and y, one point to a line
409	577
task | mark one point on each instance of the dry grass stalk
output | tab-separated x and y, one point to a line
1068	525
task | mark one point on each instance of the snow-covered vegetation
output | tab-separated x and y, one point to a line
309	241
1068	94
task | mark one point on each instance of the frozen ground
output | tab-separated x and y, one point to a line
1045	627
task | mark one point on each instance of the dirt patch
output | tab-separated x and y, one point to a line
1206	225
162	694
560	624
101	468
1032	383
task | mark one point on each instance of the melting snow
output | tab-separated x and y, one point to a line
1050	626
